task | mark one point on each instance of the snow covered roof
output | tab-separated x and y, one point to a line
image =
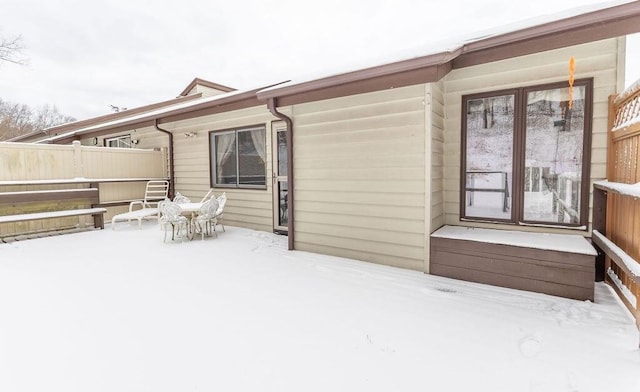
579	25
149	117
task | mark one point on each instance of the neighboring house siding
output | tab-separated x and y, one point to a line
250	208
597	60
360	177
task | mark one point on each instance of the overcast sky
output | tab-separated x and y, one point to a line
84	56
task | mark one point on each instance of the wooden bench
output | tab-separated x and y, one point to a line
22	198
555	264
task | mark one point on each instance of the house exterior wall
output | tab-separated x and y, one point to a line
437	154
250	208
598	60
360	176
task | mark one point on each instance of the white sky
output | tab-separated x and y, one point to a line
84	56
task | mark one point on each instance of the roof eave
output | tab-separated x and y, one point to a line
592	26
68	127
235	102
381	71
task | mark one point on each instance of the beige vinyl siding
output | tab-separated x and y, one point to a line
250	208
597	60
437	155
360	177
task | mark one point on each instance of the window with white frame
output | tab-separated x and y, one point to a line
525	155
120	141
238	157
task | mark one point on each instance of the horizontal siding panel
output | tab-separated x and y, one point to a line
347	114
359	100
376	175
329	197
416	146
389	125
362	245
375	133
382	225
236	118
386	160
353	209
391	260
360	186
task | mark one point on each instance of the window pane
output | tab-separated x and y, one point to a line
251	157
282	153
122	142
553	155
225	153
282	198
489	157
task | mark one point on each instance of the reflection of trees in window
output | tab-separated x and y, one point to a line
550	143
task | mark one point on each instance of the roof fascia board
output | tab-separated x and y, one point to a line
233	102
58	129
209	110
402	79
381	71
555	35
68	138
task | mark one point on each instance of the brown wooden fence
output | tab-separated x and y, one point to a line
620	239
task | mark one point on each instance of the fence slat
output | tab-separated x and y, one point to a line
622	241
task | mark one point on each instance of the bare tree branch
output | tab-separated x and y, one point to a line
11	50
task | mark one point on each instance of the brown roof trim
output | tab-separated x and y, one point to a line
386	73
592	26
588	27
242	100
425	74
206	83
64	128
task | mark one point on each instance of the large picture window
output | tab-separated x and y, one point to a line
238	157
525	155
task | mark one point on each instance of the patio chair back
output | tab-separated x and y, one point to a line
206	219
171	217
156	191
207	196
180	198
222	201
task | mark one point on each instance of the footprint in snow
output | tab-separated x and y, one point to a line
530	346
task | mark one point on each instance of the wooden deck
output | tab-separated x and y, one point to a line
555	264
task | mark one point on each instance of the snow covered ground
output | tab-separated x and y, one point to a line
123	311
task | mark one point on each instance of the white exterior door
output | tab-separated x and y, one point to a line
280	185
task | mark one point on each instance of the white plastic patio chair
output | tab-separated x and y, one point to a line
172	218
180	198
222	201
205	222
155	191
207	196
